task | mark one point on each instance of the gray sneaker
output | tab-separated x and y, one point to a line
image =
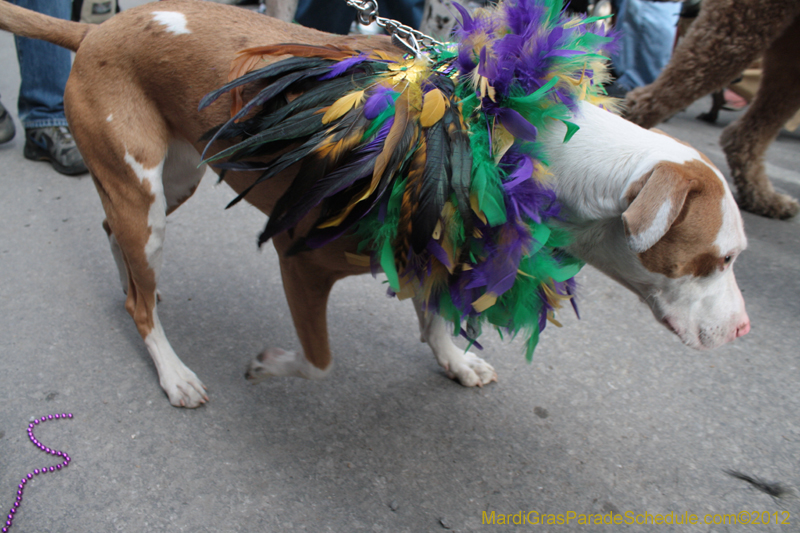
54	144
6	126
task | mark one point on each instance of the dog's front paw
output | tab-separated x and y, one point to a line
470	370
184	388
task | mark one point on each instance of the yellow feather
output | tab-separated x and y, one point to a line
553	298
342	106
394	136
552	319
437	231
383	55
444	226
436	280
473	202
484	302
434	105
502	141
389	146
406	291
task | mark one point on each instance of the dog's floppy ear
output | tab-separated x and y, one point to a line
655	201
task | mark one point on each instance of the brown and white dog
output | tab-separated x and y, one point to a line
726	37
648	211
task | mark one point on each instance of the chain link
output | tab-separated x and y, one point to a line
414	41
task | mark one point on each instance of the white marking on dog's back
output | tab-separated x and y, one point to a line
174	21
109	118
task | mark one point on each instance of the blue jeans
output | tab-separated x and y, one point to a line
647	37
44	69
334	16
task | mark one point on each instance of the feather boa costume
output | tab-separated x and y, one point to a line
432	162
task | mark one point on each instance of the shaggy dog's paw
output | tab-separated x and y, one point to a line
183	388
770	204
470	370
641	108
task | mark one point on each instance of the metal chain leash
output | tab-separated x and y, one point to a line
413	41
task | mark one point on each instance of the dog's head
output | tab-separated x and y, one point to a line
683	232
657	216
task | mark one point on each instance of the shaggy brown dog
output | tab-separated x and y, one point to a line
725	38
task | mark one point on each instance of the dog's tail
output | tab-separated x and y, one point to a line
26	23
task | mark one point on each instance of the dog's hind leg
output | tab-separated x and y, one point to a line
182	174
129	179
746	141
119	259
466	367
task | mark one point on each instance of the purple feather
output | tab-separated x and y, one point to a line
545	308
522	172
474	342
499	271
523	193
378	101
563	53
464	61
438	252
571	288
516	124
343	66
467	24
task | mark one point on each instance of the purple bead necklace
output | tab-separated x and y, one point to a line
24	481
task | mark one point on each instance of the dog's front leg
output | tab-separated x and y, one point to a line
307	286
745	142
466	367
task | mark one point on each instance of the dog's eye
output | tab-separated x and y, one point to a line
728	259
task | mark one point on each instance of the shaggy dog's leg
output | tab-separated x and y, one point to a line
746	141
717	48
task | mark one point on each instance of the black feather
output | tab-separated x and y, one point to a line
316	167
434	187
774	489
263	96
275	69
460	160
301	198
319	96
280	164
301	125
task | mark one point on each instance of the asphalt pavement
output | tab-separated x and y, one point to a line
614	415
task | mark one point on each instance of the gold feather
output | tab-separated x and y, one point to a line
502	141
434	105
341	106
394	136
484	302
408	203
